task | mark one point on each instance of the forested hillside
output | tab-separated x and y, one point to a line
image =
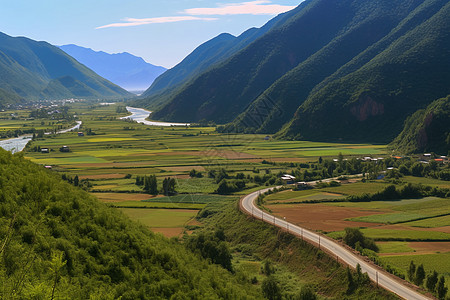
37	70
204	57
333	70
58	242
372	102
427	130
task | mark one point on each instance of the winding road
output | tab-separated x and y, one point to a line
377	275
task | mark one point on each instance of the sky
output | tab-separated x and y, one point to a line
162	32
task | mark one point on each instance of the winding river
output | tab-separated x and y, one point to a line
17	144
139	115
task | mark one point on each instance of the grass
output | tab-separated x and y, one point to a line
161	218
168	205
193	198
394	247
431	222
400	234
427	181
426	208
357	188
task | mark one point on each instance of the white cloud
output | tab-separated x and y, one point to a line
260	7
137	22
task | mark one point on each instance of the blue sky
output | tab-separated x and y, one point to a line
163	32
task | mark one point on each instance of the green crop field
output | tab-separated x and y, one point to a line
398	234
193	198
357	188
168	218
431	222
427	208
394	247
169	205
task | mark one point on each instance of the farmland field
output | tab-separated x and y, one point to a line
114	153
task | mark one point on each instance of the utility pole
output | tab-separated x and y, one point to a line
377	277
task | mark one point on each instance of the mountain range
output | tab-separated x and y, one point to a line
124	69
33	70
349	70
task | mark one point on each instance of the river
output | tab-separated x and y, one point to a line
139	115
17	144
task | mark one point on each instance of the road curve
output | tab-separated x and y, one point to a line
384	279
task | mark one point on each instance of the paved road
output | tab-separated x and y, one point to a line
384	279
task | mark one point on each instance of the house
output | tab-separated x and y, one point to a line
45	150
288	179
80	133
48	167
267	138
64	149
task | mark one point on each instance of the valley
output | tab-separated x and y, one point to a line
279	149
113	152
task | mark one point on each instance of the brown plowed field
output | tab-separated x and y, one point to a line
323	217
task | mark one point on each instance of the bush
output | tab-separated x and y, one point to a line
353	236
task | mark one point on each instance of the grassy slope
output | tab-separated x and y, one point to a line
55	235
255	241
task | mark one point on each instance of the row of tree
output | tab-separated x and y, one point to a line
433	282
150	185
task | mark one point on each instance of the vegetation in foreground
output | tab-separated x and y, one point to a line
56	241
285	266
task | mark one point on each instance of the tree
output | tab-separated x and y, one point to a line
432	280
307	293
441	288
411	271
153	185
420	275
76	181
267	268
353	235
169	186
351	286
270	289
146	184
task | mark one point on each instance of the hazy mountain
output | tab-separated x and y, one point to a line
124	69
30	69
342	70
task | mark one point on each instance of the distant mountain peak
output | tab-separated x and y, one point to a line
131	72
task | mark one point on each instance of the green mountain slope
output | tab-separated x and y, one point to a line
372	102
202	58
333	70
224	91
27	67
8	98
427	130
374	29
57	241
